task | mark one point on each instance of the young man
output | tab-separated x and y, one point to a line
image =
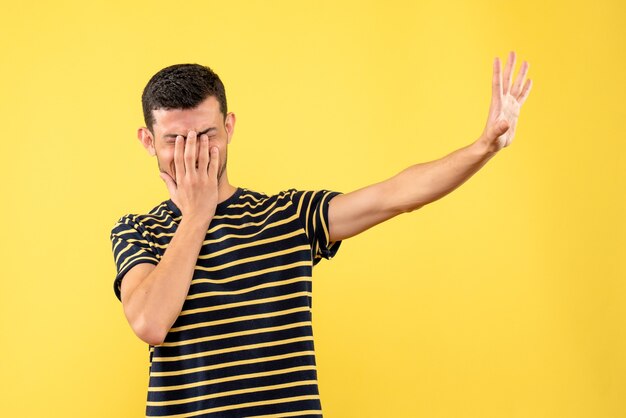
217	279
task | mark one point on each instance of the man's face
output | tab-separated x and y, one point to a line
205	118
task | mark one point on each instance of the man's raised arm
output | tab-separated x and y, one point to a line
352	213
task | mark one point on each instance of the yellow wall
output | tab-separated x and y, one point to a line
504	299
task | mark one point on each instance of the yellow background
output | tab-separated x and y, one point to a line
505	298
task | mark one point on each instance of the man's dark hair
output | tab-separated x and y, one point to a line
181	86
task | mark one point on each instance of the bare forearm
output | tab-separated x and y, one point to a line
158	299
424	183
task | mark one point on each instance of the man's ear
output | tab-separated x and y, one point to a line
147	140
229	123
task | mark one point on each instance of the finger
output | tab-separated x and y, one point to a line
519	80
179	149
214	164
496	84
203	158
525	91
510	64
190	152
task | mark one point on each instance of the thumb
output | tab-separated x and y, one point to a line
501	127
169	182
497	128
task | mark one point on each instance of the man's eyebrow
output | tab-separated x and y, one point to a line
206	131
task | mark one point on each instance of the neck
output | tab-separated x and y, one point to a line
224	188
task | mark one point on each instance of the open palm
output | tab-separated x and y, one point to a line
506	102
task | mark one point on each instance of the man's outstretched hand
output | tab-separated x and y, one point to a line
506	102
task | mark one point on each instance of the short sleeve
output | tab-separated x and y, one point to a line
312	210
130	247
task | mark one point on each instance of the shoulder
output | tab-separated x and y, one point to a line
243	203
311	196
254	199
248	195
139	222
256	203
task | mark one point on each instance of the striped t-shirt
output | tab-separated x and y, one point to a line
242	345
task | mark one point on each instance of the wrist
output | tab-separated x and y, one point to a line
196	221
484	148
